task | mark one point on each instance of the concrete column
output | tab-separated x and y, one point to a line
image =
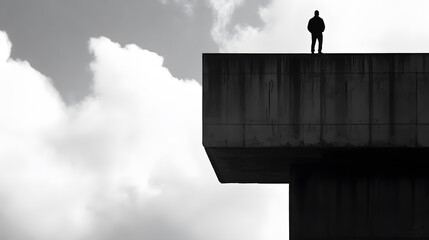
341	201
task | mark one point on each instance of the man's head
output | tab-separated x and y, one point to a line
316	13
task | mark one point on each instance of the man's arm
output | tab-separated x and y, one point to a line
323	25
309	25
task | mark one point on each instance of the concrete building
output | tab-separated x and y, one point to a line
348	132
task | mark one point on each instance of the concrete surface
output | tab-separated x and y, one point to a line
348	132
357	202
313	102
304	100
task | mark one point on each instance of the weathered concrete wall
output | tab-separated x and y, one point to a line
349	132
302	100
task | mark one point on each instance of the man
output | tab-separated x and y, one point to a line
316	26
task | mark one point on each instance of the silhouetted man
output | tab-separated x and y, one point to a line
316	26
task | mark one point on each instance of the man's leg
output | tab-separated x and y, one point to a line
320	38
313	42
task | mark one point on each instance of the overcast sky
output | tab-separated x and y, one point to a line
100	126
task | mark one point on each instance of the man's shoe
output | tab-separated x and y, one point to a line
320	52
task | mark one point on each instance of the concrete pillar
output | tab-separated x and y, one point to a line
357	202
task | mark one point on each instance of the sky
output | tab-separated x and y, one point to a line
100	103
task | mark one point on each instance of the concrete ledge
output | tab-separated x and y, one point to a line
272	165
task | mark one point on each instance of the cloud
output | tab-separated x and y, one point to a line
363	26
223	10
188	5
125	163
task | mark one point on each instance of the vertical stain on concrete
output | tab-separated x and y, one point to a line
392	128
370	103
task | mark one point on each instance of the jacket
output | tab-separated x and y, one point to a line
316	25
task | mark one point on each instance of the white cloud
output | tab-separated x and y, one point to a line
125	163
5	48
223	10
360	26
